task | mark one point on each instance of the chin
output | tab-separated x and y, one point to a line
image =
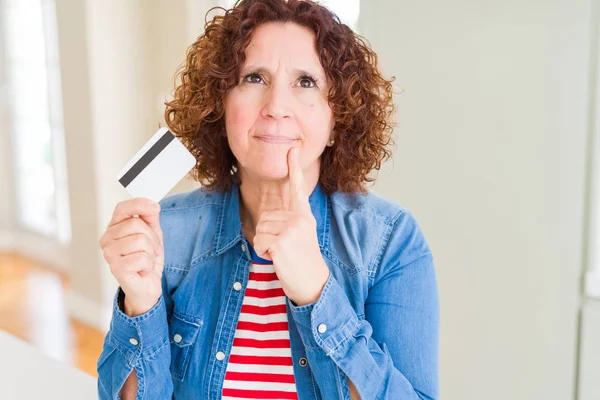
267	171
271	172
273	175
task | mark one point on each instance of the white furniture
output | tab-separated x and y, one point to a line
28	374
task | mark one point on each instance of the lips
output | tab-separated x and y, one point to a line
276	139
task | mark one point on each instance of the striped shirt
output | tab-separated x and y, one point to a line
260	365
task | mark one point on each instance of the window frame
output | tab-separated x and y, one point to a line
61	233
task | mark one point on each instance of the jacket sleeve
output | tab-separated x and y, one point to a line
391	353
140	343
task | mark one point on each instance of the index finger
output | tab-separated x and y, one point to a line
298	198
139	206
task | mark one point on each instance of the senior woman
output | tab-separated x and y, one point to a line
282	277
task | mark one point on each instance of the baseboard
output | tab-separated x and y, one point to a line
7	241
589	364
88	312
48	252
42	249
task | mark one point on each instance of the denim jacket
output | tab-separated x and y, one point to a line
380	305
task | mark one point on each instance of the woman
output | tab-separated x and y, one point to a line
282	277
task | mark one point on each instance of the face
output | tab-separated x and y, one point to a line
280	102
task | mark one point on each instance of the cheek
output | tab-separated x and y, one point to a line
316	120
240	115
237	121
235	114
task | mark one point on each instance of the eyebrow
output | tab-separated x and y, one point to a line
296	71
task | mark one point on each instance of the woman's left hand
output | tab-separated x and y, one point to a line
289	239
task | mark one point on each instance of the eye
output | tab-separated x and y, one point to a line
307	82
253	78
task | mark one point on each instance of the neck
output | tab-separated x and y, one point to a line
258	195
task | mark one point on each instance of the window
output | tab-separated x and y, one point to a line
346	10
35	116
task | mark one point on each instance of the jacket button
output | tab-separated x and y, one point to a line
322	328
134	341
177	338
220	355
303	362
237	286
243	248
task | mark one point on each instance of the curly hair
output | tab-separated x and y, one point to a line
359	96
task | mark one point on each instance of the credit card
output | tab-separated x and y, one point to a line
157	167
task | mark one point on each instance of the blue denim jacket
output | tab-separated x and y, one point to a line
380	305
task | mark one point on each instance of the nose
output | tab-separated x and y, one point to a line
277	102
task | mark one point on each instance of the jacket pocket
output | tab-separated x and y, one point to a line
183	331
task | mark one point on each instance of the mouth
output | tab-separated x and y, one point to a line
276	139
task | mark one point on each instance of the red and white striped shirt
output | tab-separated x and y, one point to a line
260	365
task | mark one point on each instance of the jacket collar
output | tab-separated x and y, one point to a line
229	225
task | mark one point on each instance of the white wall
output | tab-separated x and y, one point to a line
491	159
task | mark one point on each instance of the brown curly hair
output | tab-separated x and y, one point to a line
359	96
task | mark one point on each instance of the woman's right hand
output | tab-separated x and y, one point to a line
133	247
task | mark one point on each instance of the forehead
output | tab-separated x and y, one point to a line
276	42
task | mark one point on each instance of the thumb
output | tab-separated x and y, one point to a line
153	221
